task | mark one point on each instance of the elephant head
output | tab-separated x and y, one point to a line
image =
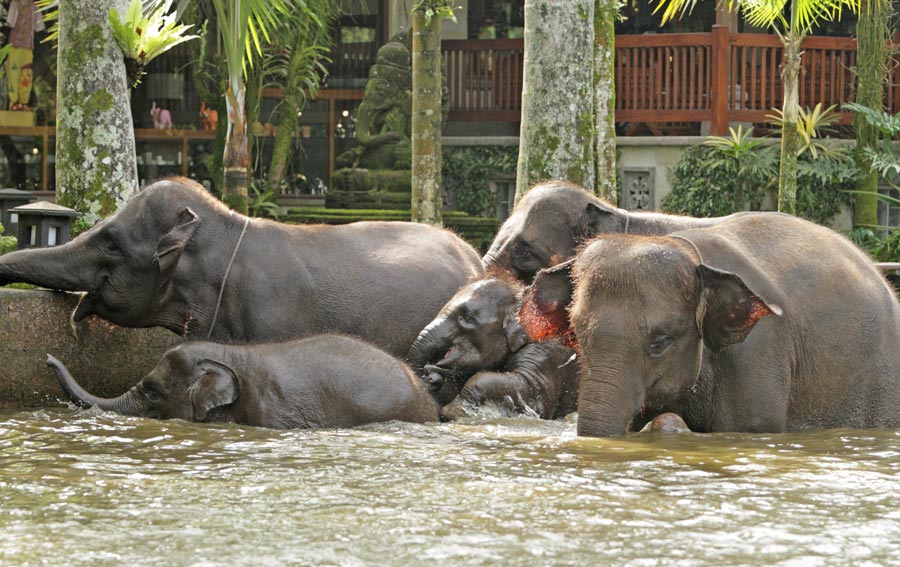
642	310
546	227
188	383
125	263
476	330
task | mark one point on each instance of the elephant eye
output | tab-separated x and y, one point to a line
660	345
152	394
467	320
110	247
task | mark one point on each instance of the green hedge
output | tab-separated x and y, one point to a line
478	231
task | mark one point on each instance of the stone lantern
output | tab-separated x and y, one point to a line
9	199
43	224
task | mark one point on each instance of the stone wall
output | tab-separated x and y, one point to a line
106	359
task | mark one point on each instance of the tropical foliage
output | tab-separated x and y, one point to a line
147	31
737	173
881	156
468	170
7	243
295	62
792	20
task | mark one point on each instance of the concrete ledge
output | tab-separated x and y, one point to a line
104	358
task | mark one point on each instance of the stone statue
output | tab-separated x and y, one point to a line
383	121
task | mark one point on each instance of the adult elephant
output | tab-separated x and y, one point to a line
765	322
476	354
555	217
175	257
320	381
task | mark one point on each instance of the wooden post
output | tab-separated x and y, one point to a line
721	54
331	128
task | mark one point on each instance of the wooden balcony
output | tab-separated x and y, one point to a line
669	83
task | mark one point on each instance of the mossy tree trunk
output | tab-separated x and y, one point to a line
557	132
791	139
96	170
281	148
426	118
873	57
605	13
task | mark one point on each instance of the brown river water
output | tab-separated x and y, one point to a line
87	488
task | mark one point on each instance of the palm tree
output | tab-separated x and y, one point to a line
296	65
242	24
803	16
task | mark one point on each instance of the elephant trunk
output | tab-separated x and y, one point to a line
607	402
436	338
126	404
66	267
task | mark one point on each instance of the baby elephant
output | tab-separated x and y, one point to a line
476	354
319	381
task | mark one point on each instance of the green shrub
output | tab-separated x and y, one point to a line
713	181
467	170
7	243
705	185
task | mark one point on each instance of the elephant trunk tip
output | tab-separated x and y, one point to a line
52	361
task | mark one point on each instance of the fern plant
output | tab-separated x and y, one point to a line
146	32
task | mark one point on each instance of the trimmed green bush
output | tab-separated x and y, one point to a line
7	243
467	171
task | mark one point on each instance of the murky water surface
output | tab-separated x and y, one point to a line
87	488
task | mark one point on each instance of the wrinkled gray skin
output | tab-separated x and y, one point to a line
475	354
161	260
319	381
764	323
555	217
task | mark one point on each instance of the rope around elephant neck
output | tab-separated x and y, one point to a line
694	246
627	218
225	278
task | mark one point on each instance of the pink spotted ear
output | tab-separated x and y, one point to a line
729	308
544	314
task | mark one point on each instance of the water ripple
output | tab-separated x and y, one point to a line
89	488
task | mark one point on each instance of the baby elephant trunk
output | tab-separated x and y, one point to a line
125	404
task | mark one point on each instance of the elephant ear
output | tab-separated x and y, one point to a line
216	386
171	245
596	218
728	308
544	314
516	337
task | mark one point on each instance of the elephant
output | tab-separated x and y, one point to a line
176	257
762	323
555	217
666	423
313	382
475	353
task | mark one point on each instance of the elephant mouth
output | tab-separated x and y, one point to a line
450	357
84	309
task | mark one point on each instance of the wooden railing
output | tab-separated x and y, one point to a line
669	79
720	77
484	78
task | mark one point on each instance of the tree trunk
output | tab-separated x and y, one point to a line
791	140
872	60
556	139
281	148
426	119
237	154
96	170
605	12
